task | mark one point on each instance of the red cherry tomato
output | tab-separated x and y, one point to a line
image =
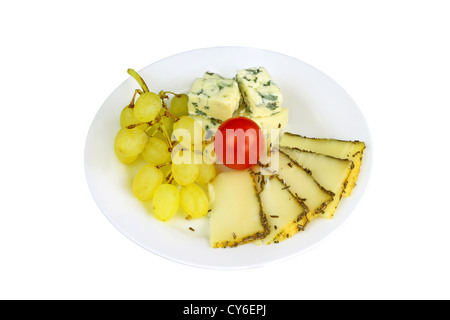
239	143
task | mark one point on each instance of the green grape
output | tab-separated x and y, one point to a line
156	151
167	172
154	132
194	201
147	107
129	143
146	181
189	133
167	122
166	201
185	173
126	160
185	167
127	118
179	106
206	173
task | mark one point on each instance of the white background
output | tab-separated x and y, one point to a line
61	59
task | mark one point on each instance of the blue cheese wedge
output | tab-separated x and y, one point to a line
261	95
214	97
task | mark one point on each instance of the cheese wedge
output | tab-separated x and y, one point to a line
236	215
285	213
331	173
351	150
302	185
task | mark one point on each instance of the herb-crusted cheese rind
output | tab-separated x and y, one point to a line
214	97
351	150
261	95
285	213
302	185
236	215
331	173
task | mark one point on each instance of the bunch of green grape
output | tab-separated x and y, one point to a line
175	174
150	183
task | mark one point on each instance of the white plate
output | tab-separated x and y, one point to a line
318	107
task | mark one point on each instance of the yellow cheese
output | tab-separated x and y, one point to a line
351	150
302	185
272	126
236	215
331	173
285	213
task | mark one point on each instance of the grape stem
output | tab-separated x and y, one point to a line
166	136
139	79
163	96
169	177
159	166
167	113
134	125
131	105
131	126
175	94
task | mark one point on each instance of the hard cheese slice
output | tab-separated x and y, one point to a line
351	150
236	215
302	185
285	213
331	173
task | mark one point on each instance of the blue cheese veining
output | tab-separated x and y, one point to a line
261	95
214	97
209	125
